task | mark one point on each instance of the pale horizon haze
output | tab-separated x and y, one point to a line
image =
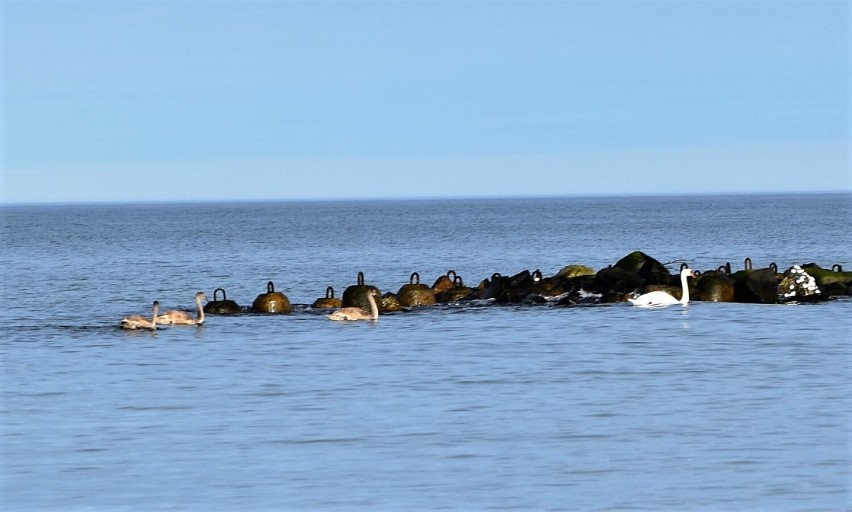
148	100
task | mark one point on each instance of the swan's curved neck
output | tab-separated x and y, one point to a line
374	309
200	318
154	316
685	295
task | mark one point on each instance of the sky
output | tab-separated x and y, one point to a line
201	100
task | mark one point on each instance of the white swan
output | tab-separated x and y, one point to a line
140	322
175	317
357	313
661	298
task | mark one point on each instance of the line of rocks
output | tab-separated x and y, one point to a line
577	284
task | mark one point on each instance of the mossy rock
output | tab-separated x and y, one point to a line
271	301
572	271
390	302
830	282
329	301
415	294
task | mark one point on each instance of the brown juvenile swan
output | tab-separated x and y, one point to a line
140	322
175	317
357	313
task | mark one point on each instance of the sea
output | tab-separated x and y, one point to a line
454	407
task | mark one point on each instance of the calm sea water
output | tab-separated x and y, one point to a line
710	407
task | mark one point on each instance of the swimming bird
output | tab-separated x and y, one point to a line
140	322
357	313
661	298
175	317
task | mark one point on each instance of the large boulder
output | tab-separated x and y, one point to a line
714	286
617	280
797	285
415	294
646	267
832	282
390	302
493	287
223	306
543	287
458	292
572	271
271	301
355	296
444	283
329	301
756	286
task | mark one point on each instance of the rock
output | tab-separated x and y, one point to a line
329	301
572	271
834	282
355	296
271	301
547	286
494	287
221	307
517	288
616	280
444	282
714	286
756	286
415	294
798	285
390	302
458	292
650	270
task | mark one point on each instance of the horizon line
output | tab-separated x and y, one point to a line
4	203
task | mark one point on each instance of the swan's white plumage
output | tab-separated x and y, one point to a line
343	314
660	298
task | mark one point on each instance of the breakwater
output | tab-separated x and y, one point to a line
575	284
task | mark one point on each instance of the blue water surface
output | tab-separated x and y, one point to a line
452	407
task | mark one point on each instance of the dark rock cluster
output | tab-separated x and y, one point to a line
634	274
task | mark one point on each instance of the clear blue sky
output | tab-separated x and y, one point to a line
152	100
